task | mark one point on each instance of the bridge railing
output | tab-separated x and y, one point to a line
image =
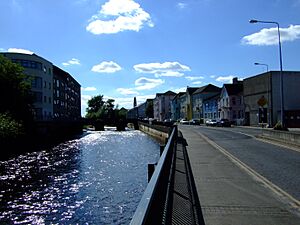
154	205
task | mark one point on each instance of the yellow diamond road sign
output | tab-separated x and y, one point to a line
262	101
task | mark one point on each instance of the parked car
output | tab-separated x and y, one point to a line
184	121
224	123
210	122
194	122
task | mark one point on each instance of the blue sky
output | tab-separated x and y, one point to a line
127	48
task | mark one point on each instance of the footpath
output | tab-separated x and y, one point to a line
228	194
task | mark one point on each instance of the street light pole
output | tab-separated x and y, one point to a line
268	87
262	64
280	61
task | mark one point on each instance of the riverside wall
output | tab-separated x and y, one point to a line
160	133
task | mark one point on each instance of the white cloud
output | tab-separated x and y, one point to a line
122	15
167	69
73	61
197	82
177	90
127	91
169	74
106	67
144	83
84	99
89	89
181	5
20	50
227	79
270	36
212	76
190	78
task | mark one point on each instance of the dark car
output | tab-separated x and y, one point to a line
224	123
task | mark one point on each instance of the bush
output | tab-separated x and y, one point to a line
10	128
278	126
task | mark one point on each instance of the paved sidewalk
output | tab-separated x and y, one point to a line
228	195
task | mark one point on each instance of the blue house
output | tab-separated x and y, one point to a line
210	107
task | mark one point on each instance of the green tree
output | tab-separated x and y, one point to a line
15	100
15	97
95	104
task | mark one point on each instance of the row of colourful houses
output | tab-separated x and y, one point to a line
253	101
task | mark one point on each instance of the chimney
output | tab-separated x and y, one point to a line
235	80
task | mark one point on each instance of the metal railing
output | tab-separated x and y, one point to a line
154	205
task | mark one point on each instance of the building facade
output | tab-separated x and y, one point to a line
210	107
199	96
66	96
231	103
162	105
263	99
41	73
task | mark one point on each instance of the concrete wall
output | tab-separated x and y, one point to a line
288	137
155	132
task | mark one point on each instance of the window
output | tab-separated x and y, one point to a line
36	82
44	69
49	71
233	101
37	96
45	99
234	114
50	100
49	86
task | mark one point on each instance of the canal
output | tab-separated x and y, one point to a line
98	178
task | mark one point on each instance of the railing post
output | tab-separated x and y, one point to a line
161	149
151	168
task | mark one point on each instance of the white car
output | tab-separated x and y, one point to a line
184	121
210	122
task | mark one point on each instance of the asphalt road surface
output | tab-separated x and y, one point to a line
279	165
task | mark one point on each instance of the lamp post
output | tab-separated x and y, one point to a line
269	111
280	61
262	64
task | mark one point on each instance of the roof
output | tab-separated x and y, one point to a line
233	89
214	97
208	88
191	90
169	93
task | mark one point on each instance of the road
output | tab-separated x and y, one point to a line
278	164
241	180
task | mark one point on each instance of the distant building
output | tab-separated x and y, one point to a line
176	106
162	106
201	94
139	112
189	101
43	76
66	96
210	107
263	102
231	103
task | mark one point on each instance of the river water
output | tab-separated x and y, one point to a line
96	179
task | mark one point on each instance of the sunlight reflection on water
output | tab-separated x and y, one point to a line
97	179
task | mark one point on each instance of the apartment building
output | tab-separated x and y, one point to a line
45	81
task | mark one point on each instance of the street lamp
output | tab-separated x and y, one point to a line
269	113
280	61
262	64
